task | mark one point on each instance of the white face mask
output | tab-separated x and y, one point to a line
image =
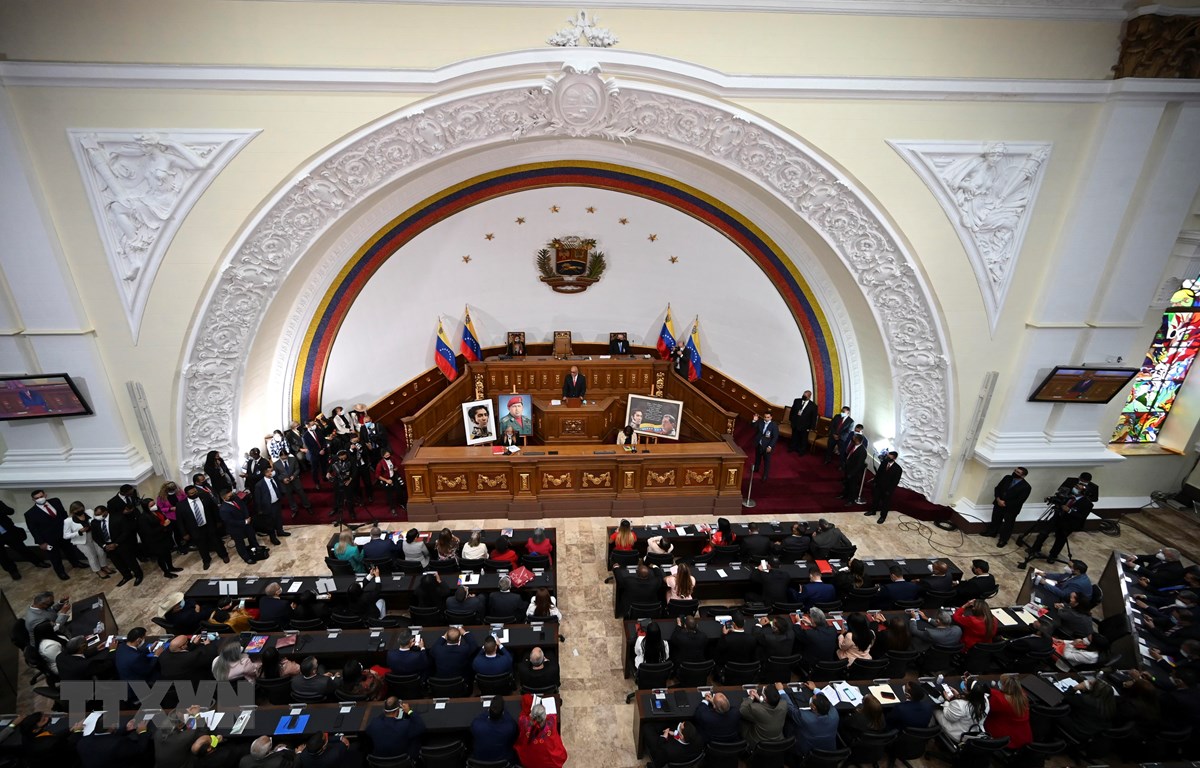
40	502
1161	556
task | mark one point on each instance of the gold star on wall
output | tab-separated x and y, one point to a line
622	221
466	259
489	236
591	209
520	219
674	259
554	209
652	238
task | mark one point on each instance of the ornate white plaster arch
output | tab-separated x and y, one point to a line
578	104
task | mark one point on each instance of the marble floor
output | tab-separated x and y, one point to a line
597	724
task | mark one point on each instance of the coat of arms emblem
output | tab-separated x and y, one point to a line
570	264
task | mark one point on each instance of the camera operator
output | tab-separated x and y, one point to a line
1071	508
1092	493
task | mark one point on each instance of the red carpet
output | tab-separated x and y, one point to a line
805	485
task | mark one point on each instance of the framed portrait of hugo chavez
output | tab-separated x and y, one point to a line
479	421
654	416
515	411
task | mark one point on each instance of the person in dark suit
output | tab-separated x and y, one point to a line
1069	516
618	345
77	663
679	745
795	547
268	501
687	642
755	546
312	681
817	640
408	657
887	477
916	711
815	591
981	583
1161	570
643	586
453	652
772	583
574	385
855	470
898	588
134	660
504	602
939	579
185	660
380	547
104	748
775	638
13	535
766	434
538	672
1009	496
198	516
272	606
374	440
803	418
318	452
493	733
126	496
397	731
45	521
237	525
153	528
735	643
717	720
839	427
324	752
463	600
264	754
390	478
122	546
287	474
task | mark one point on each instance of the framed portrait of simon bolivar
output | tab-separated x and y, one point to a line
479	421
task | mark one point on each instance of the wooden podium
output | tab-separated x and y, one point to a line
573	421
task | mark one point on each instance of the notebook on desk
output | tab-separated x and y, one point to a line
1043	690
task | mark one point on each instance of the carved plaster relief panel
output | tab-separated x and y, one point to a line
291	222
987	191
141	186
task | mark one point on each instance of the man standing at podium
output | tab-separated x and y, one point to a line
575	385
766	434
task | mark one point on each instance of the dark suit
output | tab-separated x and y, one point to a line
1092	492
380	549
287	474
794	547
839	427
122	528
887	477
47	529
269	515
103	749
766	434
817	644
410	662
979	586
1013	491
492	740
318	455
755	547
194	665
375	439
818	592
234	515
631	589
274	609
394	736
12	535
803	419
773	586
136	663
1068	518
898	590
618	347
538	678
98	667
317	685
741	647
574	386
725	728
506	604
205	538
454	660
856	469
670	750
937	583
688	646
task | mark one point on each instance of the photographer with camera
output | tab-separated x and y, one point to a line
1071	508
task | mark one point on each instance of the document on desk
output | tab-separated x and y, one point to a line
227	587
326	585
294	587
549	703
1066	684
1026	616
1003	617
211	718
89	722
243	719
360	540
721	572
883	692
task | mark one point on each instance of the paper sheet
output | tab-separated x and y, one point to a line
360	540
1003	617
550	704
884	693
295	587
1026	617
721	572
211	718
90	722
239	725
227	587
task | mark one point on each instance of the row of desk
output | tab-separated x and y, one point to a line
732	580
489	536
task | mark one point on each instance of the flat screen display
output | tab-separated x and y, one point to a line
1082	385
40	396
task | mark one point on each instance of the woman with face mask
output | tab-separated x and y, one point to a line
170	496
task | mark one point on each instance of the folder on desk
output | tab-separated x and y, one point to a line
227	587
824	567
294	587
291	724
1003	617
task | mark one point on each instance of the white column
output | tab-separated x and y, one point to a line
45	330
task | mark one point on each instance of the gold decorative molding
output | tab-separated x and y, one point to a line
1160	47
479	386
457	482
408	436
729	425
574	427
494	482
666	478
417	482
629	478
603	480
698	478
524	481
733	477
660	380
558	481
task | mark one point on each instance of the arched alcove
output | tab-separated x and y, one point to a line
312	214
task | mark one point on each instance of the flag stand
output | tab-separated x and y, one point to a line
748	502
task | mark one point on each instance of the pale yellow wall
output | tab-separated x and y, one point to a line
424	36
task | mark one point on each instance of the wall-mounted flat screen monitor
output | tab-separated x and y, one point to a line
40	396
1082	385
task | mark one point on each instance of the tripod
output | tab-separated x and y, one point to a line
1044	527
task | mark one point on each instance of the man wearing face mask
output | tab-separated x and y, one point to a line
1161	570
1069	516
45	521
373	438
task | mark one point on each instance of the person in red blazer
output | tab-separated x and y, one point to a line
977	622
390	477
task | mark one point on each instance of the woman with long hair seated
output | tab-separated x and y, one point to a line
894	637
856	641
276	666
543	606
346	550
1009	715
963	714
624	538
360	684
504	552
977	622
680	584
233	664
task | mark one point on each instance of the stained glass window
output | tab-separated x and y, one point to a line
1166	366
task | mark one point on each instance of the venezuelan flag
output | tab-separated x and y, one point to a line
470	341
666	337
693	352
443	357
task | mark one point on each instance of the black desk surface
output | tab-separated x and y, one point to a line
392	585
488	536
